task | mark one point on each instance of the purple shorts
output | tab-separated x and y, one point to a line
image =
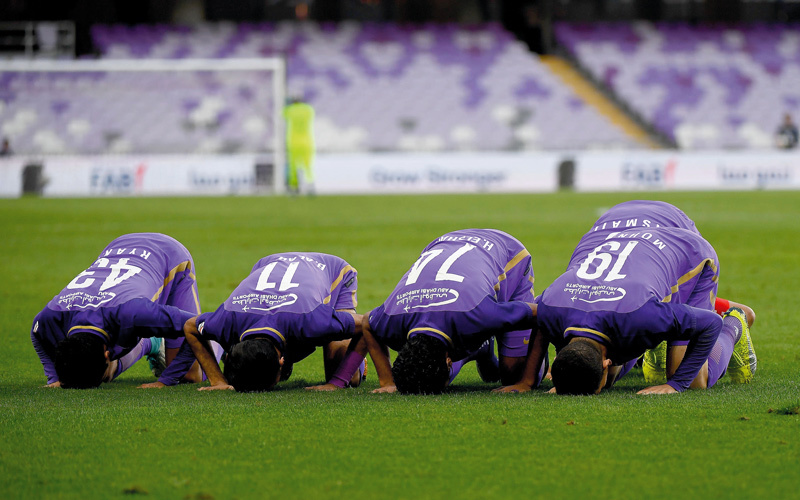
514	344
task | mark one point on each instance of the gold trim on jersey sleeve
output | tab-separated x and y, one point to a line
531	279
341	276
89	327
195	297
434	330
513	262
691	274
183	266
338	280
588	330
263	328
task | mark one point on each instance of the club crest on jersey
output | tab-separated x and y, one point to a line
201	326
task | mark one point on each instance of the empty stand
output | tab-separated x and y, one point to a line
713	86
375	87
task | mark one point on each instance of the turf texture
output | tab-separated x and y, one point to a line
118	441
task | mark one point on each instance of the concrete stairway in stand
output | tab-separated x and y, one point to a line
593	97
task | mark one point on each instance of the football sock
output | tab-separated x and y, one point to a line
627	367
347	367
543	368
723	349
456	367
138	352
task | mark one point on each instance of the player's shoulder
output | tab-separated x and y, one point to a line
646	203
156	239
680	233
487	238
152	248
214	319
48	319
333	260
332	264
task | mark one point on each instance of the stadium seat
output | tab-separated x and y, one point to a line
715	86
375	87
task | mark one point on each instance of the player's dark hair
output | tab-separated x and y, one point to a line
252	365
578	368
421	366
80	361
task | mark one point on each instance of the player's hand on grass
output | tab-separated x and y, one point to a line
385	390
658	389
552	391
57	383
323	387
220	387
512	389
152	385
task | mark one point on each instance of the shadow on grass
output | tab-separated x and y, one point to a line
789	410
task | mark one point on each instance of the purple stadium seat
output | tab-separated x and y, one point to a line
715	86
374	86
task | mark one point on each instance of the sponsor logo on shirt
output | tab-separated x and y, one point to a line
83	300
262	301
423	298
594	293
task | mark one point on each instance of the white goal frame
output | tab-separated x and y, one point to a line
275	64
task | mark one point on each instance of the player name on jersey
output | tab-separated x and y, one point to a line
482	242
645	236
616	224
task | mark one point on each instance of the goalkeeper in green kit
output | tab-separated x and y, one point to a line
300	148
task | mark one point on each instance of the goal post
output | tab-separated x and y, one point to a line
146	106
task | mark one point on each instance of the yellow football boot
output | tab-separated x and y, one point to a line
654	364
743	363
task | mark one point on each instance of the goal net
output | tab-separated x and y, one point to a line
183	106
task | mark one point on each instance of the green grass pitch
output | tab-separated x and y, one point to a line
121	442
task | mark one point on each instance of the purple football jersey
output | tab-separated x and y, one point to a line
295	282
643	214
294	298
620	271
127	292
465	287
153	259
629	290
